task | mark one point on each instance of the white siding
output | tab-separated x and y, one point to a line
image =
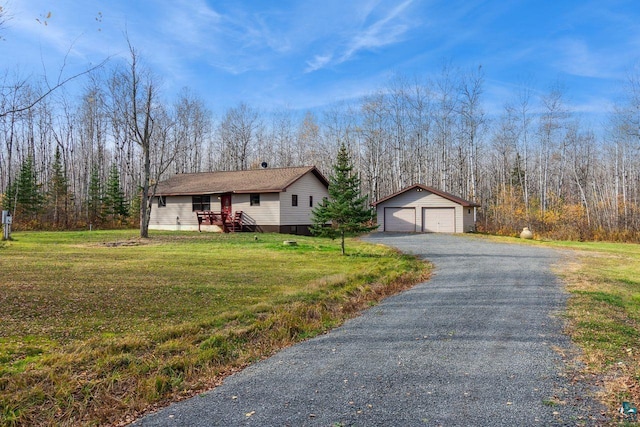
308	185
422	199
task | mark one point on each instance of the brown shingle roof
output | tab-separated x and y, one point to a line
463	202
273	180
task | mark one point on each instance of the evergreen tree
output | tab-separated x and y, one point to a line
114	201
9	197
94	197
517	173
59	195
23	196
346	209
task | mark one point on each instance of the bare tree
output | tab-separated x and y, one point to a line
237	132
3	17
473	121
373	134
308	144
138	106
550	134
444	120
282	138
192	128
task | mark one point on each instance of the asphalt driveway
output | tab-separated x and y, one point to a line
477	345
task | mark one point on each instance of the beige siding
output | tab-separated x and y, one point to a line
176	215
419	200
468	219
268	213
307	185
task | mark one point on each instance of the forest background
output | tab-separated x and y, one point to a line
73	159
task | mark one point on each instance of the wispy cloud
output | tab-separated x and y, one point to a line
383	32
318	62
575	56
189	21
314	52
388	29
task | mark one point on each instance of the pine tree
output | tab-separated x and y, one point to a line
94	197
346	209
23	196
114	201
9	198
59	195
517	173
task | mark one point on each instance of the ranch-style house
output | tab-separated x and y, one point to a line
262	200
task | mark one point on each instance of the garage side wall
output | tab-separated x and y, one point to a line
420	200
469	216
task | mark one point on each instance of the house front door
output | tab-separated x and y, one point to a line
225	204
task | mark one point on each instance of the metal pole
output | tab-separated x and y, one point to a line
6	225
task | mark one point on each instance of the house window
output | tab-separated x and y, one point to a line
201	203
310	201
254	199
469	211
162	201
294	200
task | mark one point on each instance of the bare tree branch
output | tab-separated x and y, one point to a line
49	91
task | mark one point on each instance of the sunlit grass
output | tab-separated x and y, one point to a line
98	326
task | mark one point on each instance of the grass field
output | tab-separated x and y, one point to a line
98	327
604	311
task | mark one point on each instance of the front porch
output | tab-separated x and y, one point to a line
228	223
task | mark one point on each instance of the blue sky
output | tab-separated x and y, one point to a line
311	54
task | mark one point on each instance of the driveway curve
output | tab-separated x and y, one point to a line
479	344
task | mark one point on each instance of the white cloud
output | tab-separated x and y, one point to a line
318	62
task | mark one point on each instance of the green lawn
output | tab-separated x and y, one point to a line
604	311
99	326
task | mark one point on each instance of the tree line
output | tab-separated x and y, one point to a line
79	160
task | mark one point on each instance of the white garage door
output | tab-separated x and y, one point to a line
400	220
439	220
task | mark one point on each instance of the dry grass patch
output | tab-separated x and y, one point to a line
99	328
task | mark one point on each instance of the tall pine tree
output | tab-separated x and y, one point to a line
94	197
114	202
346	209
24	196
59	196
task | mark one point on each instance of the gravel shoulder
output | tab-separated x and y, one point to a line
480	344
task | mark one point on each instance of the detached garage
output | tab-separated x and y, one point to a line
422	209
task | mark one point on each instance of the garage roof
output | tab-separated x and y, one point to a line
460	201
